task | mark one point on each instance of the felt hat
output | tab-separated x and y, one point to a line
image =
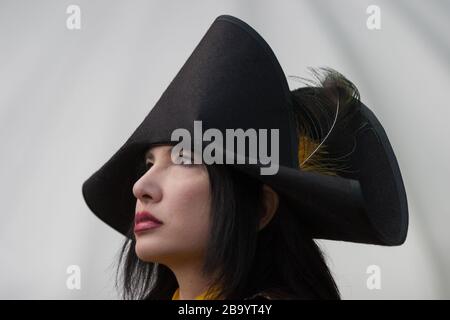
233	80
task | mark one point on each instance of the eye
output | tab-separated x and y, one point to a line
142	168
183	160
186	158
148	165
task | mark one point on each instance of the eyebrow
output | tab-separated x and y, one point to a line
149	154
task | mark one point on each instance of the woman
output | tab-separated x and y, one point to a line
226	230
231	223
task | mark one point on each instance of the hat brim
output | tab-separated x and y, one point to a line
370	209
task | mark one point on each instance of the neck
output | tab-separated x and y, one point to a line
190	280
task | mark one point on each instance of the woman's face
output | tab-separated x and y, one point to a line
179	196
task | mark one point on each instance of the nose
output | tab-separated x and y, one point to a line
147	189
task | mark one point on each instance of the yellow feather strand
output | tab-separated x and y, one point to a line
317	162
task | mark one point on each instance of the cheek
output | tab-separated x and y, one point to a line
188	204
185	208
189	193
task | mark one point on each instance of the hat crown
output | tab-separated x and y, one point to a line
231	80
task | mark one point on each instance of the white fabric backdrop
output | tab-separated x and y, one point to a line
70	98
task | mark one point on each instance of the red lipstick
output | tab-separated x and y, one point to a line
144	220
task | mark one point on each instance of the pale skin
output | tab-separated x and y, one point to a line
179	196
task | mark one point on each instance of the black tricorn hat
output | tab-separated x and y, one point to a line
233	80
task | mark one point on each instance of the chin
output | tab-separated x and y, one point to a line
146	252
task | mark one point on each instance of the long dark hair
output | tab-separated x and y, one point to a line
244	260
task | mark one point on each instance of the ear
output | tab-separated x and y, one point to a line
270	205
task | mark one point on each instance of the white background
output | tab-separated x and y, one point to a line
70	98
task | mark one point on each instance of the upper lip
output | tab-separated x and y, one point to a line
145	216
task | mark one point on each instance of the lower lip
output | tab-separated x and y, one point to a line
147	225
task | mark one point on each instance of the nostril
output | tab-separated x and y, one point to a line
147	196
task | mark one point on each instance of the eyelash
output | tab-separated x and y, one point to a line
148	165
